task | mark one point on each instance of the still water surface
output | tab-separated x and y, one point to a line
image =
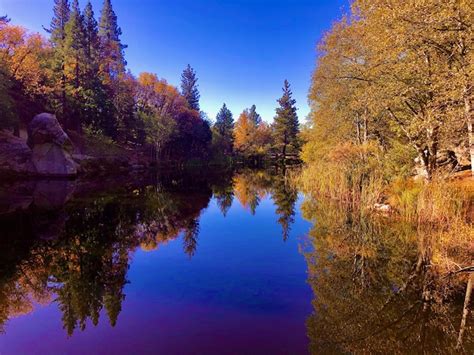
200	263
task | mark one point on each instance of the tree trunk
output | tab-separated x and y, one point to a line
366	126
465	312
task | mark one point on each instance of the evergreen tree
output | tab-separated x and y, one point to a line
224	130
286	125
97	104
61	12
75	63
91	34
112	72
189	87
254	116
225	122
112	56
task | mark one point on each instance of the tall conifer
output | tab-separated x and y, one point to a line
189	87
254	116
112	55
286	125
224	128
57	29
74	69
61	12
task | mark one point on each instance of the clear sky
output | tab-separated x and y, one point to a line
242	50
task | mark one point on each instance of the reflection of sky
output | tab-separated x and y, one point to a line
244	290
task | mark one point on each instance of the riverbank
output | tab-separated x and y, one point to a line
44	149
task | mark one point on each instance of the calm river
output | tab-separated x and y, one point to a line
200	263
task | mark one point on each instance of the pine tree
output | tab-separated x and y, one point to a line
61	11
286	125
91	34
224	129
97	105
225	122
189	87
254	116
75	66
112	56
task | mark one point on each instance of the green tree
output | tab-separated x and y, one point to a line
254	116
189	88
97	105
112	56
112	71
57	29
224	130
75	65
286	125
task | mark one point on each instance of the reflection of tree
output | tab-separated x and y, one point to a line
378	287
250	187
190	237
85	266
224	195
284	196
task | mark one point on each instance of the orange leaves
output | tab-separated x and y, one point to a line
244	130
250	138
23	55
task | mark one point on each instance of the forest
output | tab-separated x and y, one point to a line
80	74
374	191
391	99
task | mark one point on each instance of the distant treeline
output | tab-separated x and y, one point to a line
80	73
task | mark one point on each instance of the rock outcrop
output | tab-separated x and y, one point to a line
15	157
51	147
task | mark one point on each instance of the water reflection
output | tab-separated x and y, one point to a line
71	241
376	285
381	286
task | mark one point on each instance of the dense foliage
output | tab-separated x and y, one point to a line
393	83
80	73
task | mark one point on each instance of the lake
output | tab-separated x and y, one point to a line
213	262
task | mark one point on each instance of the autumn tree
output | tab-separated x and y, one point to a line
244	129
189	88
253	137
286	125
7	114
27	81
157	104
394	77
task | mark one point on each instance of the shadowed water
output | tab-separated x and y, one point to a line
221	263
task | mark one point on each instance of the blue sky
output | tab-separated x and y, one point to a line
242	50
